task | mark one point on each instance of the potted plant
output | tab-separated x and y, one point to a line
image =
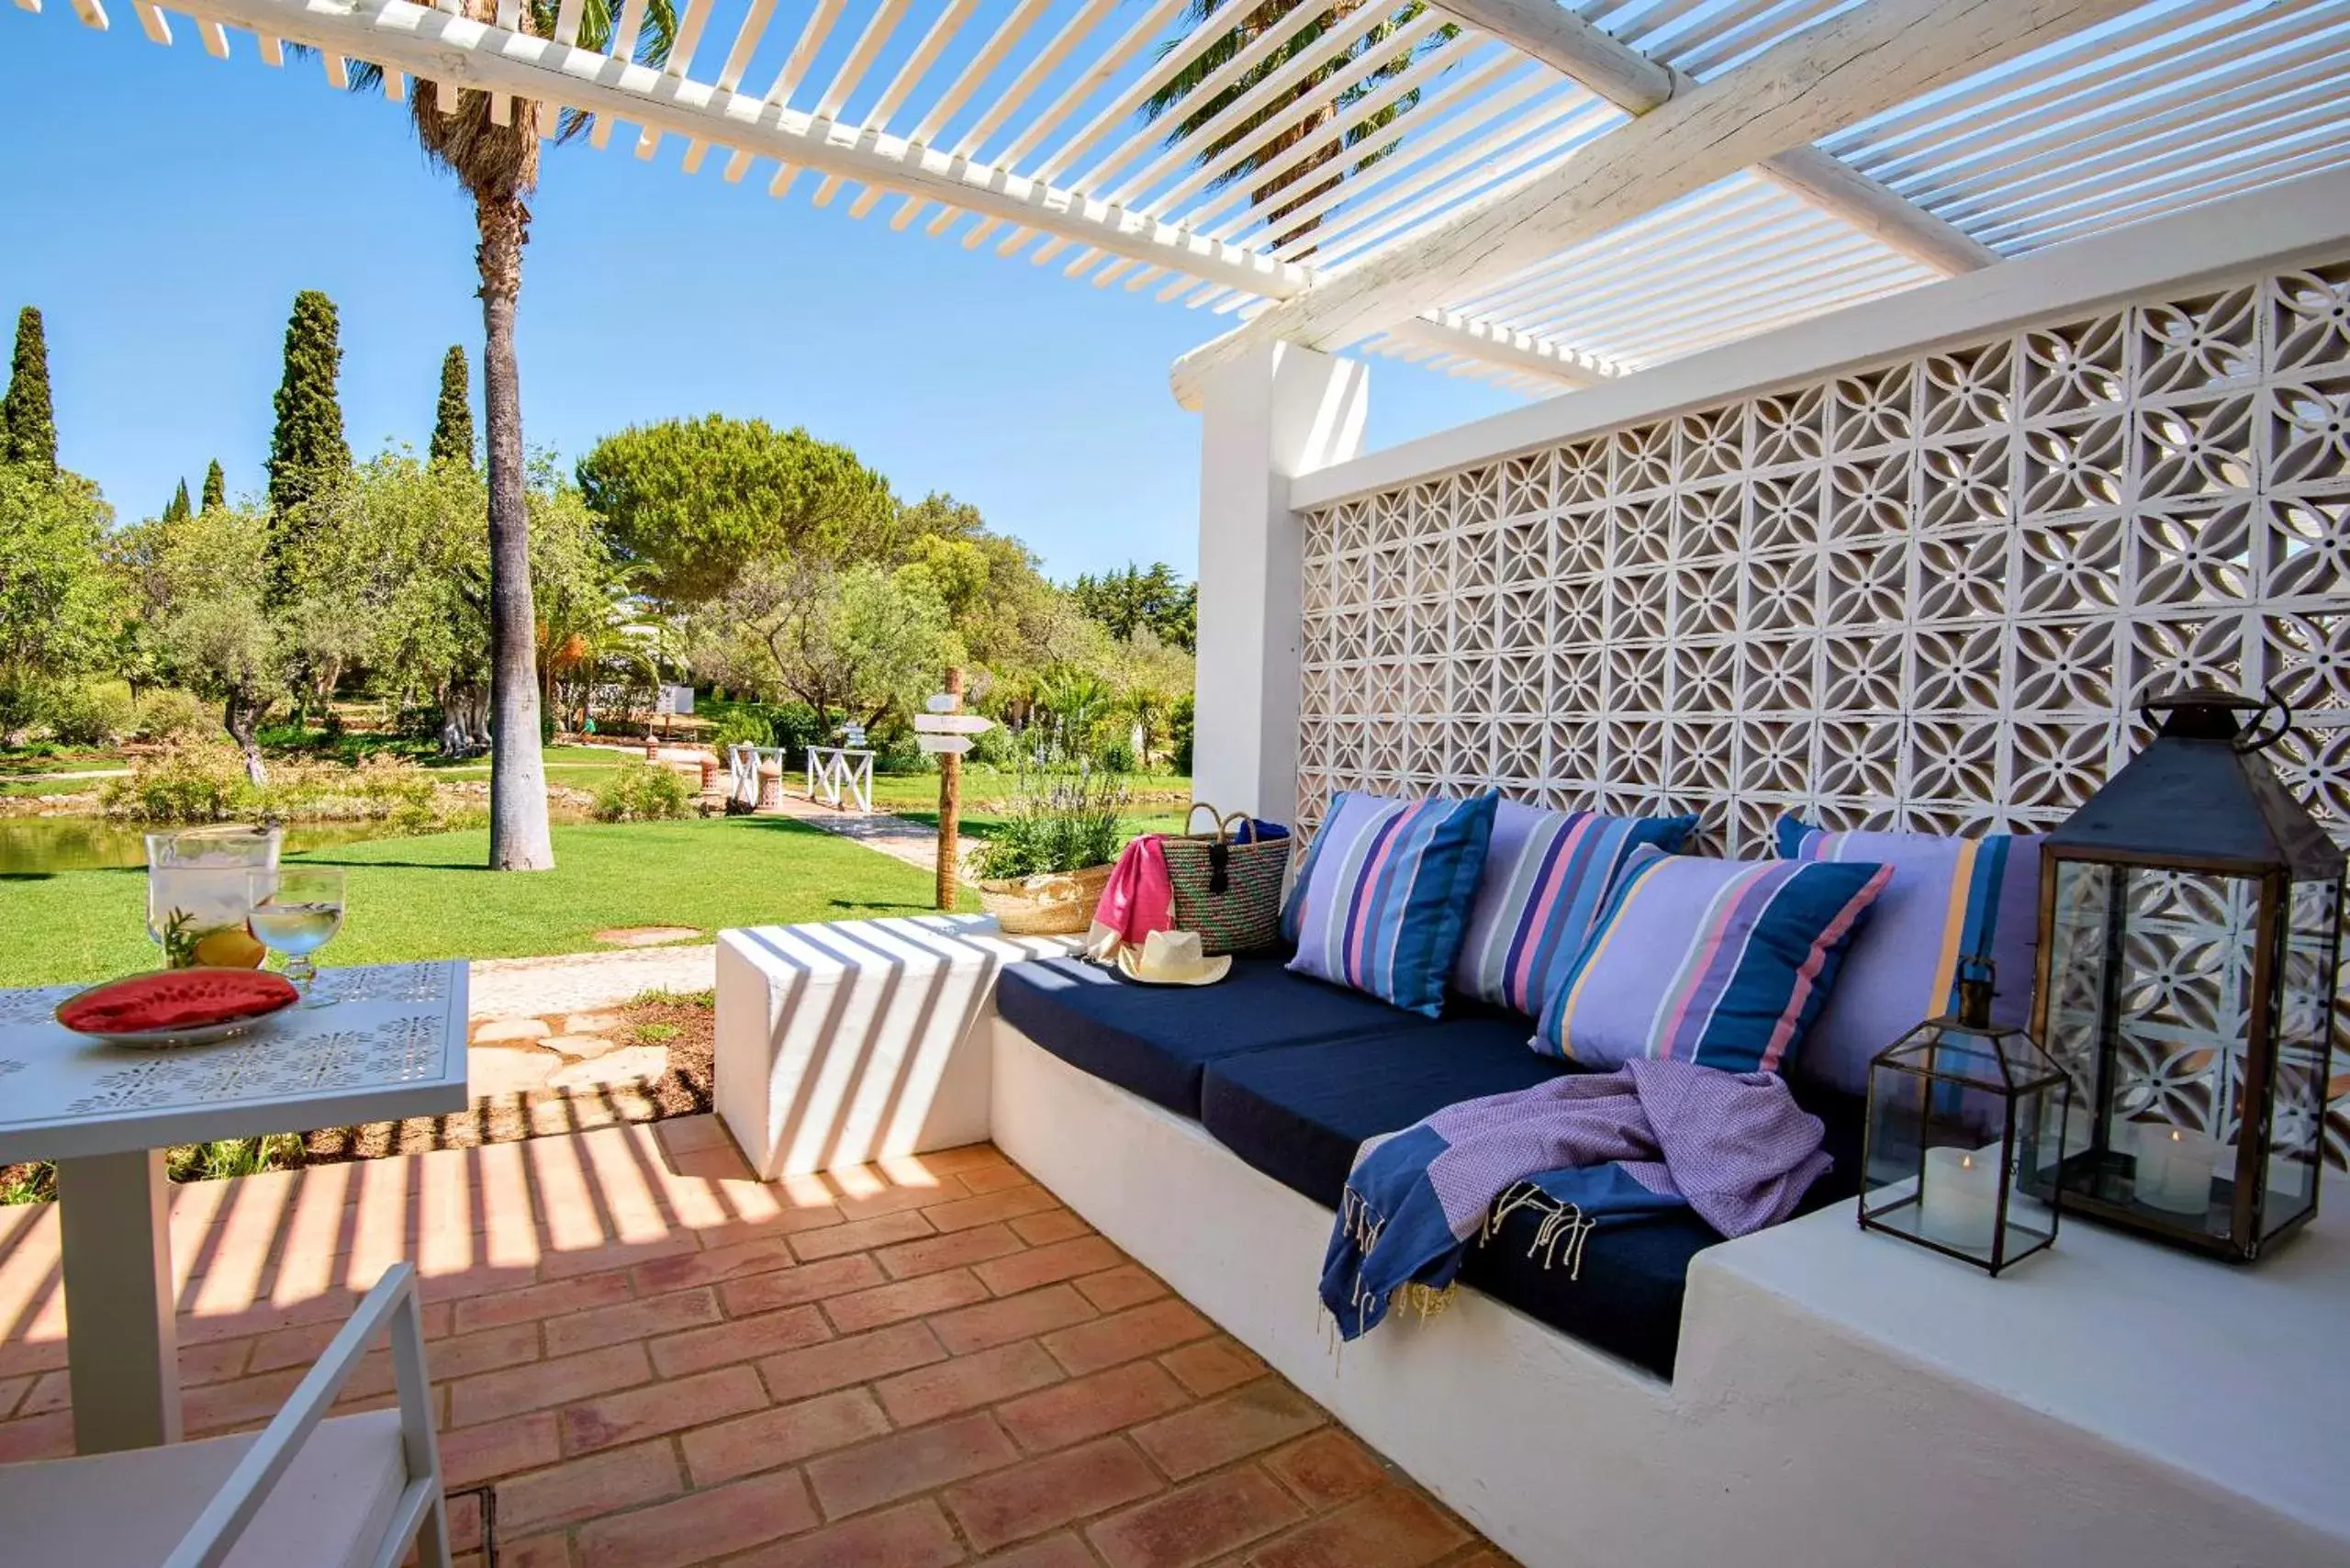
1043	870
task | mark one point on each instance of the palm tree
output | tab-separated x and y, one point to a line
1360	145
499	167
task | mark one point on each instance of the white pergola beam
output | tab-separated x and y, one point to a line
1450	332
467	55
1637	85
1842	70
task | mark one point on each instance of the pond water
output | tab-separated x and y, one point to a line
36	846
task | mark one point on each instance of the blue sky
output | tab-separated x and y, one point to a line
165	207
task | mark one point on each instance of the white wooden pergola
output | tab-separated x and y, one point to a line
1560	194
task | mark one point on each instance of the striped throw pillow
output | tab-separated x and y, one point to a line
1545	875
1949	898
1724	963
1384	894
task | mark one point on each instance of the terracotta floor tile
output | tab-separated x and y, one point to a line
953	1250
1091	1407
1050	1264
860	1358
1010	1204
670	1405
1328	1468
1252	1418
471	1455
1046	1494
552	1300
782	1434
1053	1551
916	1535
789	1287
852	1480
1050	1225
622	1478
860	1236
1211	1366
1392	1528
902	1299
739	1339
707	1268
1015	1318
542	1385
994	1178
965	1383
1137	1331
1197	1522
629	1320
1128	1284
701	1526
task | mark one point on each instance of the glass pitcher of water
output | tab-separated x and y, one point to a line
199	883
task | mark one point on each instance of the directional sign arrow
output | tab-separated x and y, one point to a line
952	724
949	746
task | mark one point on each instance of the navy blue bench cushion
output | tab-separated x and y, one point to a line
1299	1114
1154	1039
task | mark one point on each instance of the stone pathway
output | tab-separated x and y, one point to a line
574	982
900	838
545	1023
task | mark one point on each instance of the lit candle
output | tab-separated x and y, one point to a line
2175	1169
1958	1204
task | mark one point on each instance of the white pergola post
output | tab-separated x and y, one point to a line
1278	411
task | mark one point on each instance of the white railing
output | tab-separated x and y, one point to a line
743	772
838	776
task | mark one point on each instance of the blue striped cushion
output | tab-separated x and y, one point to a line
1950	899
1724	963
1384	894
1545	875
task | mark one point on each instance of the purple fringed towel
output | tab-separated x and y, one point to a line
1586	1151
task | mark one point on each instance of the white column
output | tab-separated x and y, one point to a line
1277	412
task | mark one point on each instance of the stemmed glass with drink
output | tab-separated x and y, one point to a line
296	909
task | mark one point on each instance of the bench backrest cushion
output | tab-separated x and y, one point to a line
1384	896
1724	963
1546	876
1948	899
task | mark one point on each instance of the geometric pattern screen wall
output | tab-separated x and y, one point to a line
1928	595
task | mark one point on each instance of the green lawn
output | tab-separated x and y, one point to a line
429	897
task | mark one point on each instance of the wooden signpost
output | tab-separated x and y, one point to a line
945	730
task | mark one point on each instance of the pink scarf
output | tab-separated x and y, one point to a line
1139	899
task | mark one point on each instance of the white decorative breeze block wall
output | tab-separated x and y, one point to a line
1924	595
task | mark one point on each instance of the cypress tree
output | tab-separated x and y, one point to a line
306	451
215	486
176	508
28	420
452	420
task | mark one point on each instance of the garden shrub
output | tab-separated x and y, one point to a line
186	785
1062	820
1116	757
89	713
743	725
170	715
642	792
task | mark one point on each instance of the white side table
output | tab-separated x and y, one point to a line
851	1041
392	1045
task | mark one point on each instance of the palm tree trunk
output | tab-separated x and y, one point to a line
518	780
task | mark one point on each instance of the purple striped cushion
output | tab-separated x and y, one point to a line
1949	898
1384	892
1545	875
1724	963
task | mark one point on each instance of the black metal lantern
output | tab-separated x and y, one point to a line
1960	1111
2190	917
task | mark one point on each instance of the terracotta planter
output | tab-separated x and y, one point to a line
1051	903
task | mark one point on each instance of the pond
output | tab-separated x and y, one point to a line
37	845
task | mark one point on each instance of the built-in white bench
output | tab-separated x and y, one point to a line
1838	1400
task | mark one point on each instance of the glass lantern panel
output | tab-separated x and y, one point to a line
2078	938
1937	1151
2183	1019
2304	1034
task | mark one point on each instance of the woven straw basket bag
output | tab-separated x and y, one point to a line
1228	891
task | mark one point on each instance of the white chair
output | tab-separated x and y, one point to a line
319	1492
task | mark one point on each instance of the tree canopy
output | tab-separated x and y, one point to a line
216	487
58	605
691	502
453	417
306	450
28	418
1134	599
